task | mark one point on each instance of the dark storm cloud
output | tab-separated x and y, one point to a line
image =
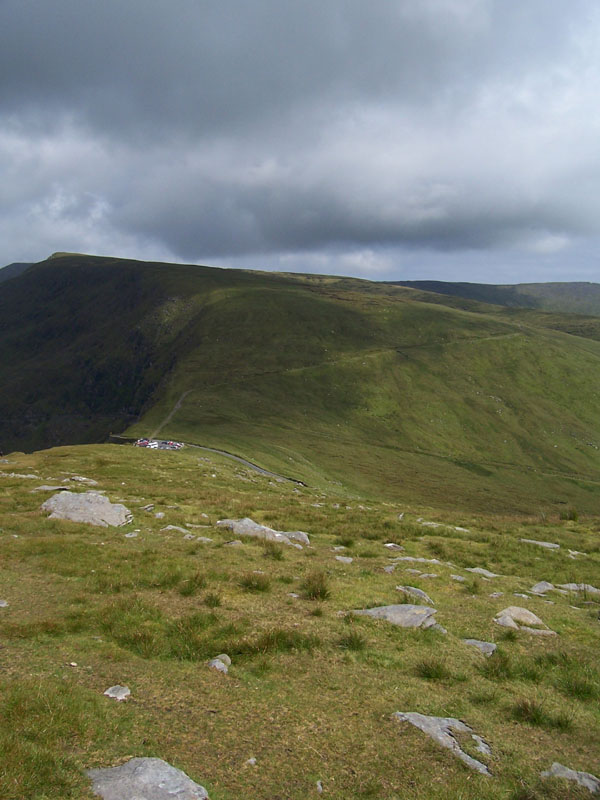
338	134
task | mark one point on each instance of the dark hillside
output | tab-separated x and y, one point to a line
12	270
566	297
322	378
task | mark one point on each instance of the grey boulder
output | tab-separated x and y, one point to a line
247	527
542	587
584	779
412	591
404	614
91	507
145	779
440	729
487	648
547	545
579	587
522	619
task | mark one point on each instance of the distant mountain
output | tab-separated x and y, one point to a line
402	394
575	298
13	270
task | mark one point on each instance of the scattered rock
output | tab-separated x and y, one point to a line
81	479
521	619
46	488
520	594
295	595
251	762
132	535
320	787
344	559
247	527
3	604
118	692
440	729
19	475
428	575
496	594
405	615
174	528
338	548
224	658
393	546
584	779
412	591
419	560
542	587
390	568
160	515
547	545
233	543
458	578
189	536
579	587
575	553
487	648
91	507
481	571
149	507
145	779
203	539
219	665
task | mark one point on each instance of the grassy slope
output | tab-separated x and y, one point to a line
570	297
310	694
391	391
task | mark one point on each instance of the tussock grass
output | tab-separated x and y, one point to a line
255	583
316	586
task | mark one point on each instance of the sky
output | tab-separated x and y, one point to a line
389	140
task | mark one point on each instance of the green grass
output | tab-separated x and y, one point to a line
311	688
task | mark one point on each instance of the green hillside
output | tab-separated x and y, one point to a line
570	297
311	689
382	388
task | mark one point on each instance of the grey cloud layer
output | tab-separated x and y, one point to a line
357	134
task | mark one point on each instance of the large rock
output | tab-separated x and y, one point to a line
585	779
404	614
440	729
145	779
247	527
579	587
521	619
481	571
91	507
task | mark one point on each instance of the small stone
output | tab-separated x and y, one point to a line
487	648
160	515
224	658
393	546
481	571
251	762
547	545
233	543
344	559
131	535
458	578
542	587
496	594
338	548
203	539
412	591
390	568
190	537
3	604
118	692
585	779
429	575
579	587
519	594
320	787
220	666
174	528
149	507
295	595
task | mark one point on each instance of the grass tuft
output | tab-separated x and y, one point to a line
315	586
